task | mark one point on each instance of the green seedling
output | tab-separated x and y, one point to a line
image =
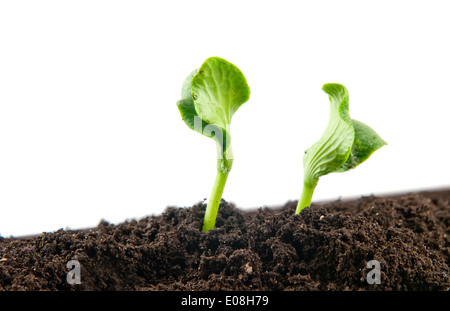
345	144
209	98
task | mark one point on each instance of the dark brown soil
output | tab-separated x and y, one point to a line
326	247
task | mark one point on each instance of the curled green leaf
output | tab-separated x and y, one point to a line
332	150
345	144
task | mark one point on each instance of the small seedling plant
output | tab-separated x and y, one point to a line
345	144
210	96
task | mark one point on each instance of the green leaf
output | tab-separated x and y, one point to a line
193	121
209	98
332	150
218	89
366	142
345	144
186	88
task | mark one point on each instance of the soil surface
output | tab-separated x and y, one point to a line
326	247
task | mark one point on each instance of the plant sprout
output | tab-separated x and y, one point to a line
345	144
209	98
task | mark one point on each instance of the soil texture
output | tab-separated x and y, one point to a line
326	247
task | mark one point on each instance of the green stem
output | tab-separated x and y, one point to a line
209	221
224	164
306	197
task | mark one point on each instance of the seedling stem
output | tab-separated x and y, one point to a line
214	201
306	197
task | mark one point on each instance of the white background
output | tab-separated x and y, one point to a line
89	127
